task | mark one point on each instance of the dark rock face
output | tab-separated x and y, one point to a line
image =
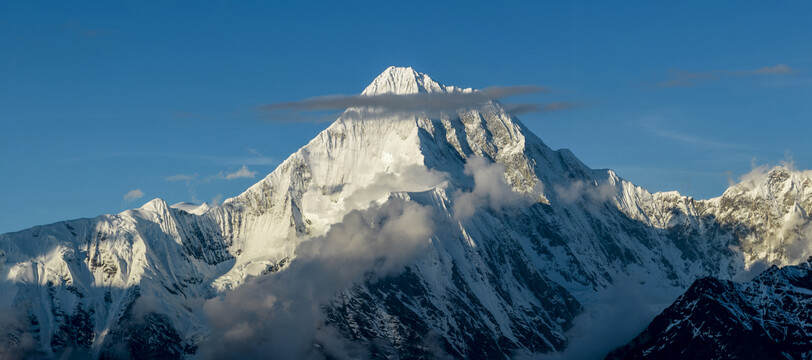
410	304
75	332
142	336
154	338
769	317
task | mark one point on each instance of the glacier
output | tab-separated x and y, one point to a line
526	242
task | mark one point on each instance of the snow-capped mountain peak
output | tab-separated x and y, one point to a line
778	181
523	239
404	81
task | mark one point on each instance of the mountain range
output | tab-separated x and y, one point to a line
409	234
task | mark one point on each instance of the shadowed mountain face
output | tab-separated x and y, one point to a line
766	318
391	233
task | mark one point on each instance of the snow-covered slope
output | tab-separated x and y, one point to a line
525	239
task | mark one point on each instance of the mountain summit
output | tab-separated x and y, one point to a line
404	81
389	234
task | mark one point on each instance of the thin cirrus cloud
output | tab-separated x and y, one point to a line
79	29
181	177
654	125
684	78
323	108
696	140
241	173
133	194
256	159
517	109
409	102
192	180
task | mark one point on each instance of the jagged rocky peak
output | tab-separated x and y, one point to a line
360	145
366	156
776	181
767	210
452	135
775	191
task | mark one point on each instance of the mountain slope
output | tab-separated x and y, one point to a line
765	318
524	240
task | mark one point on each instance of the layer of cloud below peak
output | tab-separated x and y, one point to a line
323	108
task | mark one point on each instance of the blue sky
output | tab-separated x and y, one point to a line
98	99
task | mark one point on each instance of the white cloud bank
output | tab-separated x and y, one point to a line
279	315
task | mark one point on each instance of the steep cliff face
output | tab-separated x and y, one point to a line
525	239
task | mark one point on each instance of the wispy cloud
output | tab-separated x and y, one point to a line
255	152
409	102
654	126
767	70
223	160
133	194
240	173
517	109
428	103
682	78
243	172
181	177
194	179
695	140
85	32
190	180
592	191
